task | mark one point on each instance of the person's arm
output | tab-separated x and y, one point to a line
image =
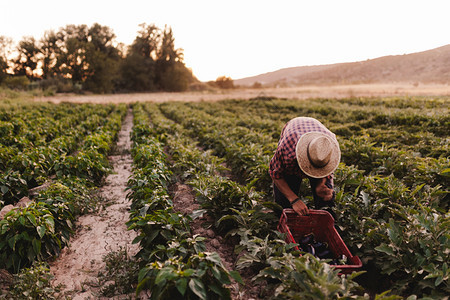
298	206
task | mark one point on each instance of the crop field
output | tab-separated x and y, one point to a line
392	197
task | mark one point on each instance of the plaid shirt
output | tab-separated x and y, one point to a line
284	161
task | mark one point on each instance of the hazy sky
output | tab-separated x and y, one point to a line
241	38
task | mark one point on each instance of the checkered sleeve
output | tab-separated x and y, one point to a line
276	165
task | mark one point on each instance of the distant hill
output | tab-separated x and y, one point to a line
432	66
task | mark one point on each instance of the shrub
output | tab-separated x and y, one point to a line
16	82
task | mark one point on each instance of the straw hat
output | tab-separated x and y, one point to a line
318	154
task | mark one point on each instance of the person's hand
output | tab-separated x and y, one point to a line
300	208
323	191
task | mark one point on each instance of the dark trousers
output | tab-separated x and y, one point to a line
294	183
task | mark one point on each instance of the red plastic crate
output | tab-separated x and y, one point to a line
321	224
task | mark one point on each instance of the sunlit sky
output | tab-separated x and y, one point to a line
241	38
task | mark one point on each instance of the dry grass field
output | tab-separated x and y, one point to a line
302	92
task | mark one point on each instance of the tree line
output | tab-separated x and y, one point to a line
82	58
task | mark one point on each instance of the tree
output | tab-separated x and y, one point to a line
146	42
167	51
224	82
71	59
5	51
137	73
138	68
90	57
102	71
27	61
3	67
176	78
171	73
102	59
87	56
153	63
49	50
102	38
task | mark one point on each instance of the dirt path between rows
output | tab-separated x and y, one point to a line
101	233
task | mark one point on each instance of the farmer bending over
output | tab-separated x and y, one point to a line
307	149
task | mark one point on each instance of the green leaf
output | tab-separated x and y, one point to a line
165	274
220	291
418	188
439	280
142	284
36	246
4	189
445	171
41	230
198	213
50	222
215	258
21	220
137	239
236	276
188	272
216	272
365	198
394	233
198	288
32	219
386	249
152	235
181	285
12	242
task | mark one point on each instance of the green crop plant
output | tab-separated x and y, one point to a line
12	187
306	277
147	198
218	196
29	234
88	164
201	276
190	161
33	283
255	252
415	254
120	275
158	228
255	221
72	192
100	142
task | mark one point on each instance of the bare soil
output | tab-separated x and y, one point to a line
98	234
185	203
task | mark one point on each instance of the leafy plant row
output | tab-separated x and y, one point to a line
416	147
369	206
405	165
245	151
174	262
357	150
29	163
40	229
399	233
